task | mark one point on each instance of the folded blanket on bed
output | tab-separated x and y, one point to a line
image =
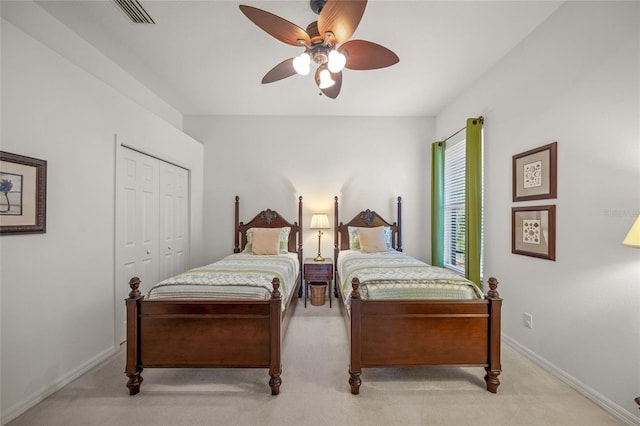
241	276
395	275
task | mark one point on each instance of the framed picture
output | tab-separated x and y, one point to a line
535	173
533	231
23	194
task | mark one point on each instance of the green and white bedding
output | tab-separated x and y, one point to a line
395	275
240	276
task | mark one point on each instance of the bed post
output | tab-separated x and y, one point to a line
133	368
275	342
335	240
355	366
236	238
399	248
300	227
495	306
300	254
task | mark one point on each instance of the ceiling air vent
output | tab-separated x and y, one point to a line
135	11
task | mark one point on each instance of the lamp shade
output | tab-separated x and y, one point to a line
302	63
633	237
337	61
325	79
319	221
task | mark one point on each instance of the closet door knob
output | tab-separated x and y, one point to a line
148	251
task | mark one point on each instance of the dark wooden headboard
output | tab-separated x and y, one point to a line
367	219
268	219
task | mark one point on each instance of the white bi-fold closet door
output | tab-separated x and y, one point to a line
152	225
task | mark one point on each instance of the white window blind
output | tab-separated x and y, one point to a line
454	206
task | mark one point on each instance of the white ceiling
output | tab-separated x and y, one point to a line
206	57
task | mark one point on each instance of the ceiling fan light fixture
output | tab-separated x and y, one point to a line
336	23
325	79
337	61
302	63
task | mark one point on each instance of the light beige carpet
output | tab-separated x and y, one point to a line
315	391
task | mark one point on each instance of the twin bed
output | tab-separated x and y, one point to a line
403	312
234	313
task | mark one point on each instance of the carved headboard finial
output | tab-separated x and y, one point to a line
268	215
368	216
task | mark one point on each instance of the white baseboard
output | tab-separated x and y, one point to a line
608	405
22	406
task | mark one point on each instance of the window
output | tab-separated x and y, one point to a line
454	197
454	207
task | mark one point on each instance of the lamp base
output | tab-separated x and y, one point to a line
319	257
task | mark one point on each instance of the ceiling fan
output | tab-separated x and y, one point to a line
325	42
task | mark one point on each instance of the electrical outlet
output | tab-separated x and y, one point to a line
528	320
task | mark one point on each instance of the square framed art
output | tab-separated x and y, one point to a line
533	231
535	173
23	194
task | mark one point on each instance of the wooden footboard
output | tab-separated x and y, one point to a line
425	333
205	333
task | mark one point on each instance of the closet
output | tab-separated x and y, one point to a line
152	225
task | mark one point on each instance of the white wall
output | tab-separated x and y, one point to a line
35	21
575	80
269	161
57	307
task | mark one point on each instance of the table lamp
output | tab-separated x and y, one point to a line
319	221
633	237
633	240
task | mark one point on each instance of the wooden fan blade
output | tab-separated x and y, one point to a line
334	90
283	70
365	55
276	26
341	17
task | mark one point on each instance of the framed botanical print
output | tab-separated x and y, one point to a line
533	231
535	173
23	194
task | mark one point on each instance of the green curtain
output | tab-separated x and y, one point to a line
437	203
473	195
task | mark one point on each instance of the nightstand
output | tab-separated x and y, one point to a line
317	272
